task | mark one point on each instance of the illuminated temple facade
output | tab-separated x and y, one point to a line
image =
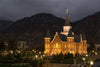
65	42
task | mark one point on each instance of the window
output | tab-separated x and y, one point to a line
56	45
65	46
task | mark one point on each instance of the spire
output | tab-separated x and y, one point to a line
67	19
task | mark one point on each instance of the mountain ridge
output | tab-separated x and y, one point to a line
33	29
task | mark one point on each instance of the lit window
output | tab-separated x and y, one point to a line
65	46
56	45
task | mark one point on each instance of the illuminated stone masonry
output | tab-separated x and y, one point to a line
65	42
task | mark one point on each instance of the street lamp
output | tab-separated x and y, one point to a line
11	52
43	55
39	52
86	55
96	53
91	63
33	50
84	60
93	51
36	56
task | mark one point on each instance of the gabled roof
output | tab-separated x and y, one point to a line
62	37
56	35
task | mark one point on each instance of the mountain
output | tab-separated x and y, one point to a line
90	26
4	24
33	29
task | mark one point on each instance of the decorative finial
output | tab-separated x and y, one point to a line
67	11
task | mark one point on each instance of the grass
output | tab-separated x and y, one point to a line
16	65
4	66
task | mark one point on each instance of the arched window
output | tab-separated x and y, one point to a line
57	45
65	46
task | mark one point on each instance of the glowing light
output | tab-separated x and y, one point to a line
52	52
11	52
39	52
91	62
65	46
44	52
86	55
71	52
19	52
83	58
33	50
96	53
43	55
5	51
56	45
92	50
36	56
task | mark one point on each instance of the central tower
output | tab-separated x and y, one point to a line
66	26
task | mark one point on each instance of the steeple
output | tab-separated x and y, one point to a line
67	19
66	26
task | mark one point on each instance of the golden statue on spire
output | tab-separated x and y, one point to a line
67	20
67	11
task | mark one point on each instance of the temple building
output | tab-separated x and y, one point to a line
65	42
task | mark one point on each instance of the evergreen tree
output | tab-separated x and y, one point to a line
2	45
60	56
65	56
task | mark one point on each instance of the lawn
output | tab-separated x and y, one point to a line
4	66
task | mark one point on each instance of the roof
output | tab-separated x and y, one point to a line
76	37
62	37
70	33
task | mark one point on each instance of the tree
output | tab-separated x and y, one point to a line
98	50
70	55
2	45
77	55
60	56
65	56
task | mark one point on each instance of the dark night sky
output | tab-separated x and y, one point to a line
17	9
